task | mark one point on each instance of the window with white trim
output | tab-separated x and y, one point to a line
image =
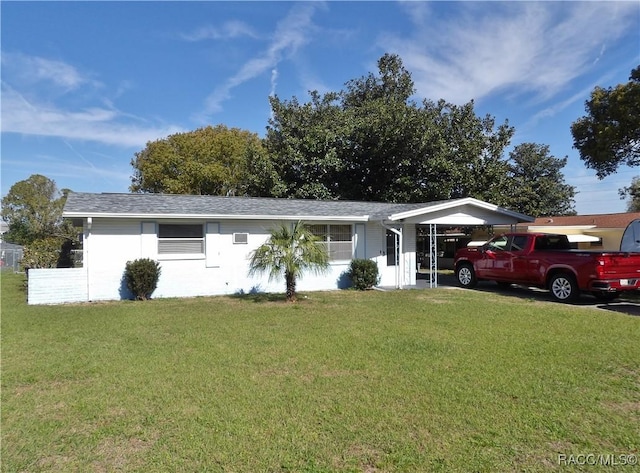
338	239
180	239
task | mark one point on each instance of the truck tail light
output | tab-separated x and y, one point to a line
600	268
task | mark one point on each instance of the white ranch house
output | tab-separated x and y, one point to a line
204	243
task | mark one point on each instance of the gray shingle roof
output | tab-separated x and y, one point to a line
88	204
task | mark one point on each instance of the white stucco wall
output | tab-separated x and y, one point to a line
109	243
391	276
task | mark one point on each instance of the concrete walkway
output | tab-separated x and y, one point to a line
422	282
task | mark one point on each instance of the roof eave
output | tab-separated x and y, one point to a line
458	203
562	227
164	216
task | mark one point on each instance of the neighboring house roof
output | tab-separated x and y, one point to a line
617	220
217	207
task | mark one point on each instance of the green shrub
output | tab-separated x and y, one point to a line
141	277
363	274
42	253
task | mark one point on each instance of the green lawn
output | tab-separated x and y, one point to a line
432	380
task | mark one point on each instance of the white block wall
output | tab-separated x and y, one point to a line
57	285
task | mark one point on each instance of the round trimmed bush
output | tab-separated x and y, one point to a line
363	274
141	277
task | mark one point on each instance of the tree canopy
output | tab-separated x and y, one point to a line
372	142
211	160
633	194
33	210
609	135
369	141
538	184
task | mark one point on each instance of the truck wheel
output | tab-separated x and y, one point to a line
564	287
466	276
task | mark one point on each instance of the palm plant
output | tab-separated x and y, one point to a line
290	250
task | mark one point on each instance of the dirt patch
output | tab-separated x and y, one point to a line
364	457
54	463
121	454
625	407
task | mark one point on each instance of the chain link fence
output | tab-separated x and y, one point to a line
10	258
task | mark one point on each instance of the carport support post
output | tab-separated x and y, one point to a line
433	256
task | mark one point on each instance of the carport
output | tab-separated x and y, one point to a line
468	212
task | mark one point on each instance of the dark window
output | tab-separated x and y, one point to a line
552	242
519	242
180	239
392	257
179	231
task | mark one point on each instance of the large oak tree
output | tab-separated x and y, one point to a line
372	142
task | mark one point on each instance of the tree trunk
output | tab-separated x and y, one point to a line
291	286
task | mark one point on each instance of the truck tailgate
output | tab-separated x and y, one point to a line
619	265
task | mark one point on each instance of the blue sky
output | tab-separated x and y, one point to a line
85	85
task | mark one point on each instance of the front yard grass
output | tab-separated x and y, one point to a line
421	380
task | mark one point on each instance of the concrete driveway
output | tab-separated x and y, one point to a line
626	304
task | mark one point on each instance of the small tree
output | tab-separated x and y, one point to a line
289	251
42	253
537	182
633	192
141	277
33	210
210	160
363	274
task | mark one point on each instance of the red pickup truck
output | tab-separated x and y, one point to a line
547	261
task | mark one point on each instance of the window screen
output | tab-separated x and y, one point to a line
338	239
180	239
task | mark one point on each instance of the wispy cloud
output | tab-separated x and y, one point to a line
292	33
58	168
274	82
229	30
32	96
538	47
28	70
